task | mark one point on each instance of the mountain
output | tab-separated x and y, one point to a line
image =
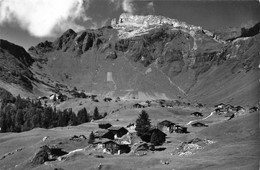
14	65
142	57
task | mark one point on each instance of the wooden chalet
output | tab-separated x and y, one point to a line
197	114
161	135
104	125
138	105
220	105
167	126
253	109
166	123
118	131
104	133
199	124
180	129
115	148
107	99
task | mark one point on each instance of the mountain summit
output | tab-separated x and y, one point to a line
150	20
133	25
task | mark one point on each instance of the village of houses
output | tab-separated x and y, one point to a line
113	139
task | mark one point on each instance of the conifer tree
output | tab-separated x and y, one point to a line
91	138
96	115
143	123
83	116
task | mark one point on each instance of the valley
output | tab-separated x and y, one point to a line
198	91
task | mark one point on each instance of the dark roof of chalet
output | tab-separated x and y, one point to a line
198	123
239	107
43	97
166	123
116	128
101	132
103	123
157	130
138	104
196	113
110	141
180	126
254	108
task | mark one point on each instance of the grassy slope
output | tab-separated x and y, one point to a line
235	147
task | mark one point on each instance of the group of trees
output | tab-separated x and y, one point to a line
18	115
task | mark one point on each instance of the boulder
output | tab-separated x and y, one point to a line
41	156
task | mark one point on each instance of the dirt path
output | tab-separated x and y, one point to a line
200	119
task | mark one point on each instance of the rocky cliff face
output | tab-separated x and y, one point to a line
150	20
14	65
153	57
130	25
16	51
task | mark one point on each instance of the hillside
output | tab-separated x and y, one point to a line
149	57
14	65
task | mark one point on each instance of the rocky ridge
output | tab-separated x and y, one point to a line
135	25
14	65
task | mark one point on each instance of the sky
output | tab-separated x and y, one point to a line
28	22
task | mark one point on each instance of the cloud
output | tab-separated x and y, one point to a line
128	6
117	3
125	5
95	25
150	7
44	18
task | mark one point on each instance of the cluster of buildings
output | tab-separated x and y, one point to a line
118	139
228	110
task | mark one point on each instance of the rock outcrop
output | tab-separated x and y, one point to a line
46	153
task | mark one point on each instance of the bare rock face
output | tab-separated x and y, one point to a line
150	20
